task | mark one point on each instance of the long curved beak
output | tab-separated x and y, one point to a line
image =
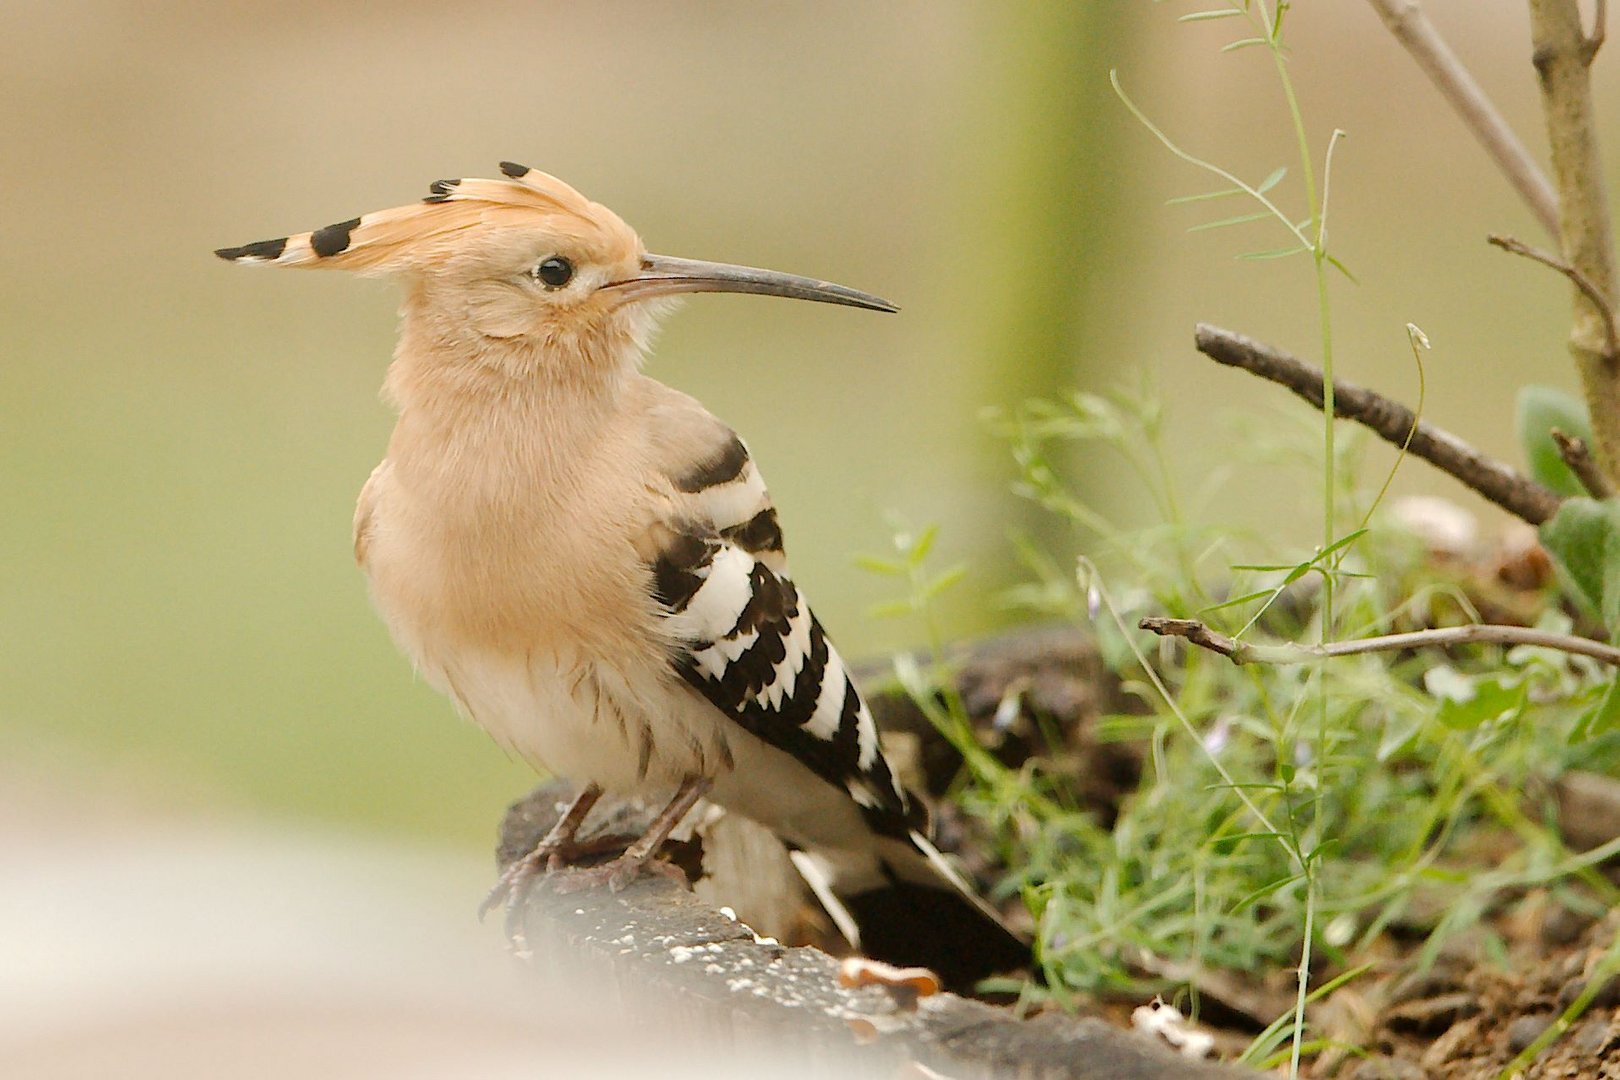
665	275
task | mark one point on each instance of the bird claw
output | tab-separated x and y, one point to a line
616	875
513	885
549	857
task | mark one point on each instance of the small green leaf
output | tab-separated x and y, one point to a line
1243	43
1241	219
1205	197
1584	538
1237	601
923	545
1602	718
1540	409
1217	13
1343	269
1347	538
1491	702
947	577
1232	840
874	565
1275	253
1273	180
1264	891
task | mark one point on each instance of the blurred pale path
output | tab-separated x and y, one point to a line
181	441
149	947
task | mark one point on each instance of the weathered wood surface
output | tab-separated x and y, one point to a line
679	963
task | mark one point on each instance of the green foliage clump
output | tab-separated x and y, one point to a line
1329	802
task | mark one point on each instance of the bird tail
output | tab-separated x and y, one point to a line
914	908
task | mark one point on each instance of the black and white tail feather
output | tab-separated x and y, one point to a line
747	642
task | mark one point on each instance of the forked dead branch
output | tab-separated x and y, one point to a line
1396	423
1245	652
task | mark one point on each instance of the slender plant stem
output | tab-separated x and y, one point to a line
1091	579
1318	250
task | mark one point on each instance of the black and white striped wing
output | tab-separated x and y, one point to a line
750	644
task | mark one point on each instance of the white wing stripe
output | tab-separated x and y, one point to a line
713	609
736	501
796	651
823	723
714	660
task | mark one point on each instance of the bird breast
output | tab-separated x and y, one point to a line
520	595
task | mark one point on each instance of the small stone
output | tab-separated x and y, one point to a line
1592	1036
1563	926
1428	1016
1526	1030
1606	998
1428	983
1387	1068
1454	1043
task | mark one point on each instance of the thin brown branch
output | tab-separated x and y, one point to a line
1600	27
1392	421
1580	280
1578	456
1562	55
1412	28
1243	652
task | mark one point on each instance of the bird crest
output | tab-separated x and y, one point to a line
458	221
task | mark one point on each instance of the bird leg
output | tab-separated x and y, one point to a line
552	851
623	870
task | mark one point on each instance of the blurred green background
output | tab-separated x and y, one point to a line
181	441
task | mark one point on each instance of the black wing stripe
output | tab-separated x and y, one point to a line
677	573
760	533
724	467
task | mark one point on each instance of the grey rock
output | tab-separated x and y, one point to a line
1526	1030
1387	1068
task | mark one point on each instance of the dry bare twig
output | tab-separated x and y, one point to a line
1580	280
1392	421
1244	652
1412	28
1578	456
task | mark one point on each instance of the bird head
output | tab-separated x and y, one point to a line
529	259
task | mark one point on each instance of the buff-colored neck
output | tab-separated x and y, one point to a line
485	419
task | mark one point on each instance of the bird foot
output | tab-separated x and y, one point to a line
513	884
549	855
616	875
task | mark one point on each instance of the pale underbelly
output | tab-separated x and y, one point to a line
586	721
590	724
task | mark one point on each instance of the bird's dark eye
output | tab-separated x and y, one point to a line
554	272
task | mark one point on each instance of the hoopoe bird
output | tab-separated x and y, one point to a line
589	565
